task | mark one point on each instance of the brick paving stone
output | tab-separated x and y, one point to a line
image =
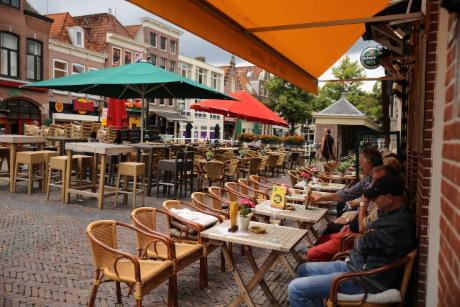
45	258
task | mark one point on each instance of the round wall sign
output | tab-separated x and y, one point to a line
370	57
59	107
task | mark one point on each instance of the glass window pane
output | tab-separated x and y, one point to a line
13	64
9	41
60	65
30	67
38	68
4	62
34	47
77	69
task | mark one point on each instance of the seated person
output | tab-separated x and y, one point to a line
329	244
390	237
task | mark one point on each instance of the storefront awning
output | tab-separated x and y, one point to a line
295	40
172	116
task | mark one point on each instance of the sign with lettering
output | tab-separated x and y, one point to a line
278	197
370	57
59	107
83	106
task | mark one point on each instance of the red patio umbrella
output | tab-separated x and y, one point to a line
116	113
247	107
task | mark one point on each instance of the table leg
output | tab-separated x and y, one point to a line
288	266
100	198
94	173
262	283
149	174
68	174
239	281
12	166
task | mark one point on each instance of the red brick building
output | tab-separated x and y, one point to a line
23	59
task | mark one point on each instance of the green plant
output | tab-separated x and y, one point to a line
268	139
293	140
246	137
47	122
246	207
209	155
344	166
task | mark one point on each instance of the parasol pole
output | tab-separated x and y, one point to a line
142	116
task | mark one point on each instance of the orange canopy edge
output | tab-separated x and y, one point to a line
299	56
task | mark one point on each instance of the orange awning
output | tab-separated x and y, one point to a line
299	55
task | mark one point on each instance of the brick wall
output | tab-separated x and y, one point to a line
449	254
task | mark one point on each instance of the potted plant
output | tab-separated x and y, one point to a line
343	167
315	178
244	217
242	153
209	155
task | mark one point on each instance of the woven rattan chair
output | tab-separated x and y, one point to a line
293	177
186	231
164	248
221	195
272	163
261	183
281	163
252	166
209	202
247	189
263	164
113	264
372	300
213	171
232	169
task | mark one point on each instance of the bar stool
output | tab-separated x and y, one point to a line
135	170
48	154
59	164
80	163
31	159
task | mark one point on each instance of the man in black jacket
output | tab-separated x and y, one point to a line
390	237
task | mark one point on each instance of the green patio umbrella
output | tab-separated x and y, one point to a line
138	80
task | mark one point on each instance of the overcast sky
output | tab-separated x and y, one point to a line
190	45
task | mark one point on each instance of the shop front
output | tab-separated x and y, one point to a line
15	112
79	110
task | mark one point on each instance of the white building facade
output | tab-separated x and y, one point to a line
203	123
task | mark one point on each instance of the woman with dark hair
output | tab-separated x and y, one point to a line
327	146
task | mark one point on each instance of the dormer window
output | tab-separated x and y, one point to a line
77	36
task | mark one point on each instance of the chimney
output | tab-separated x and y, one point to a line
343	93
201	59
110	11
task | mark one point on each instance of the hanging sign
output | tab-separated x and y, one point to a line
83	106
370	57
59	107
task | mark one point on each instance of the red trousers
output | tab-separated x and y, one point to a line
328	246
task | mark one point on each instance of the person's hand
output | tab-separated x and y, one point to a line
341	220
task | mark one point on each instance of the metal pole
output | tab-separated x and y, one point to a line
142	117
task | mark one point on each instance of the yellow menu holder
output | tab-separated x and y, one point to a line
233	216
278	197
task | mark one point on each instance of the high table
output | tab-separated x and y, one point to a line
15	140
305	218
279	240
64	139
150	148
98	149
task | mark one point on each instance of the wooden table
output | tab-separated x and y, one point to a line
98	149
62	140
150	148
279	240
331	187
305	218
15	140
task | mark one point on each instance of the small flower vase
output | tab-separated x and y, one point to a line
243	223
315	180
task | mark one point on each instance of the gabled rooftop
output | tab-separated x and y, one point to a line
342	107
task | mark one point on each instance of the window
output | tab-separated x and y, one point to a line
163	43
201	75
215	81
172	66
13	3
171	102
78	69
153	59
200	114
153	39
77	36
185	70
214	116
9	61
233	86
34	60
163	63
173	45
128	57
138	57
116	54
60	69
161	102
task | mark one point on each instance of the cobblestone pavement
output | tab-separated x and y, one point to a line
45	258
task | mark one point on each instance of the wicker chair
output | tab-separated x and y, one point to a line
261	183
293	177
186	231
281	163
247	189
232	169
113	264
221	195
272	163
238	190
263	164
213	171
252	166
363	300
163	248
209	202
